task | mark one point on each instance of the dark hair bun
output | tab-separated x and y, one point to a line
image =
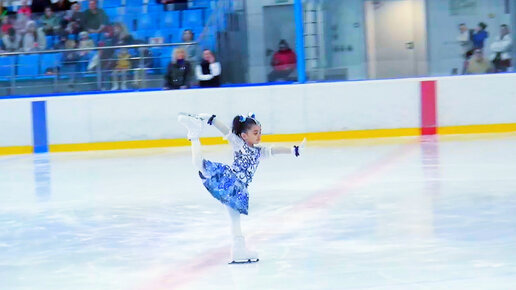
242	124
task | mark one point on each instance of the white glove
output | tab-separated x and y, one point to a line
205	117
298	150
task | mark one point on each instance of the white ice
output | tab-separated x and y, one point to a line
374	214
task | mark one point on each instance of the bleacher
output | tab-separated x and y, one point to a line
143	19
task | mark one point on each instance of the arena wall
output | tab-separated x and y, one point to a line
333	110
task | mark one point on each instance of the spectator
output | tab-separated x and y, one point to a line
38	6
73	20
121	35
6	24
107	56
283	62
61	43
70	61
94	19
479	36
466	44
62	5
11	41
85	42
34	39
24	9
178	71
50	22
501	50
20	25
142	62
122	67
192	53
478	64
208	72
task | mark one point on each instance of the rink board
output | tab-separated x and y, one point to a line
319	111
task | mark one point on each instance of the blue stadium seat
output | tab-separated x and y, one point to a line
27	65
170	19
50	41
200	4
192	18
111	3
49	60
148	22
135	3
84	5
6	65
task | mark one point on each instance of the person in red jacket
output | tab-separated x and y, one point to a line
283	63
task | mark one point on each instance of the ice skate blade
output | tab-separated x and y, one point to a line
250	261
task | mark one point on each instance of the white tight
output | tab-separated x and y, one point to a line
234	216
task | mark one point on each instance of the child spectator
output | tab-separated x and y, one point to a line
11	41
478	64
208	72
283	62
121	35
34	39
50	22
85	55
123	65
178	71
501	50
94	19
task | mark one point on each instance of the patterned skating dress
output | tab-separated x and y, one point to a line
229	184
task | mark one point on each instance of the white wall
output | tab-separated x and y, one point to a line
15	123
281	109
470	100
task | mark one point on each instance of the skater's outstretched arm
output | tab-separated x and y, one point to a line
220	126
296	149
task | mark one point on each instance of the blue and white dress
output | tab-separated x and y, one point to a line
229	184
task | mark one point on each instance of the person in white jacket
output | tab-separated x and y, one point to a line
501	50
208	71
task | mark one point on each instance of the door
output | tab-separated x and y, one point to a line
279	24
393	26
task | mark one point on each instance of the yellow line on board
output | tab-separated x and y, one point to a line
16	150
320	136
477	129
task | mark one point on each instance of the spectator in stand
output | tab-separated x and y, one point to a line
85	55
478	64
24	9
121	35
283	62
73	20
501	50
479	36
94	19
70	61
208	72
50	22
178	71
61	43
20	25
192	53
11	41
62	5
466	44
107	56
123	65
34	39
38	6
6	24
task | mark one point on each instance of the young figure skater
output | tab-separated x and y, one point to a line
227	183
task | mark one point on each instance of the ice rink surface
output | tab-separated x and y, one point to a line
399	213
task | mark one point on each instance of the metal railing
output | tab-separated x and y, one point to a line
84	69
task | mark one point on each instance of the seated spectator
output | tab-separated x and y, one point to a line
34	39
478	64
123	65
6	24
38	6
178	71
61	42
11	41
501	50
62	5
121	35
24	9
283	62
192	53
20	24
208	72
85	42
50	23
94	19
73	20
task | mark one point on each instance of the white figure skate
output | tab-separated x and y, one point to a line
193	123
240	254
